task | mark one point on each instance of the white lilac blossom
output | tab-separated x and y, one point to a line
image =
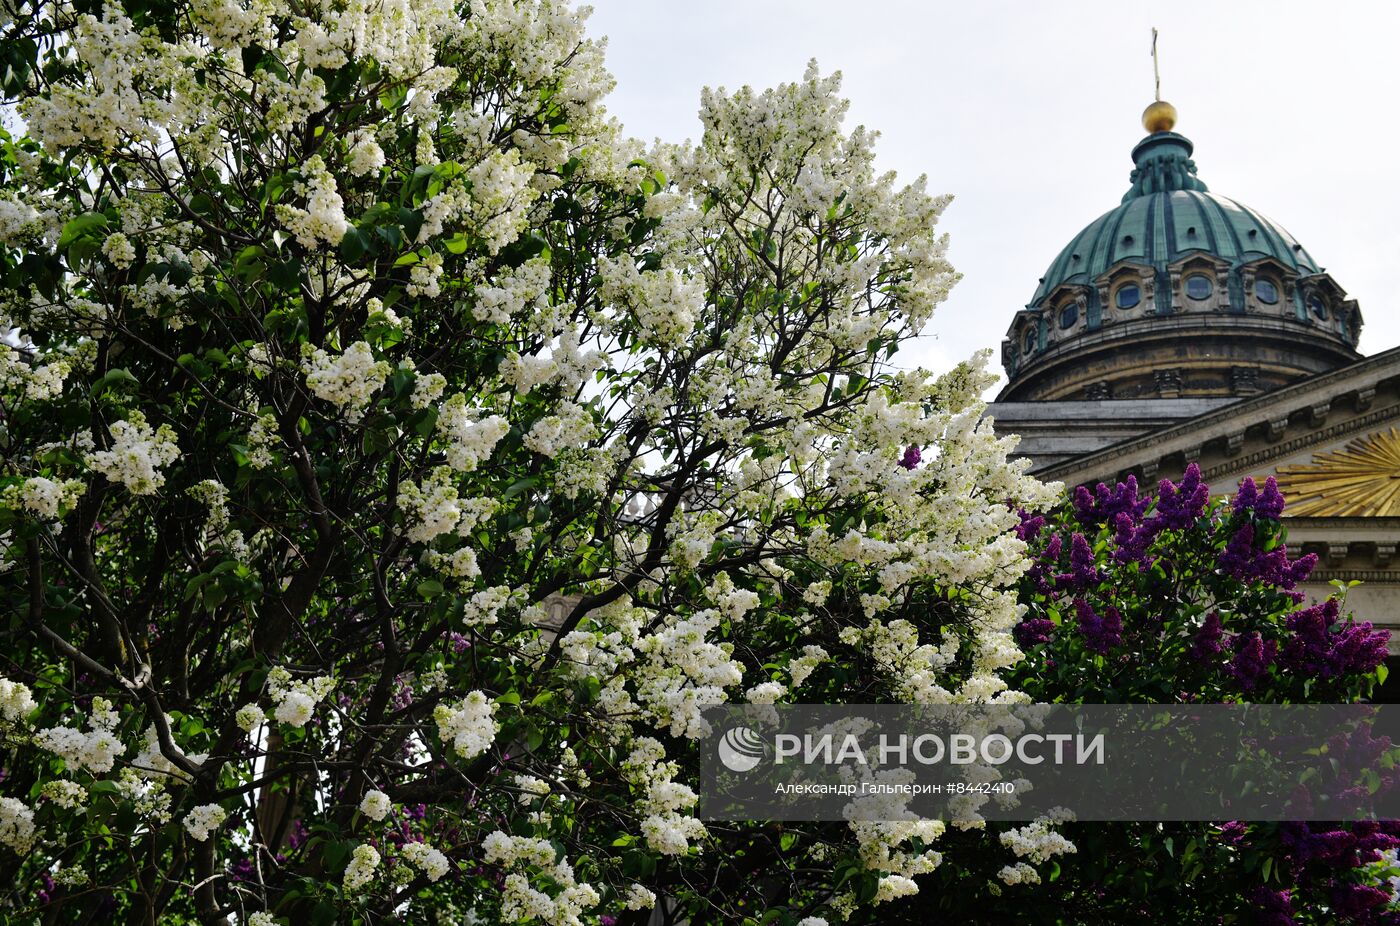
17	829
431	509
800	668
203	820
151	761
250	717
483	607
640	898
426	859
348	380
16	703
1019	873
63	793
218	531
46	498
137	454
522	900
375	805
893	887
363	862
469	726
425	277
39	375
668	826
365	156
1036	841
296	698
766	693
119	250
469	437
323	219
262	441
427	389
95	749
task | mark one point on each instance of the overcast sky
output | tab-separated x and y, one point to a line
1027	113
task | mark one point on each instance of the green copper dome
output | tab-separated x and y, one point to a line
1166	215
1177	293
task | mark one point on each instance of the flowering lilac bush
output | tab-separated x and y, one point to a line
1175	598
1178	598
396	459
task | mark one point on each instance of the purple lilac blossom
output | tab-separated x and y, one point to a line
1253	657
1101	632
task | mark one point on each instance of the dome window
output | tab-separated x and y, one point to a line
1318	307
1030	341
1069	315
1128	296
1266	292
1199	286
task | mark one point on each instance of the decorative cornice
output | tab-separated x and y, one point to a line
1371	371
1341	429
1381	576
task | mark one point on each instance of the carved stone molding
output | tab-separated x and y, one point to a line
1384	553
1168	383
1287	448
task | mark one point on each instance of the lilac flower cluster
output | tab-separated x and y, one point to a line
1267	504
1253	656
1327	860
1102	632
1248	562
1323	647
1178	507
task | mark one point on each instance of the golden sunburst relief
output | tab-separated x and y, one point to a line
1361	479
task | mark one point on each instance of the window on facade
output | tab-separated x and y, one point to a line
1318	307
1069	315
1265	291
1128	296
1030	341
1199	286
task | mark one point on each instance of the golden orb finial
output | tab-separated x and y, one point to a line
1160	116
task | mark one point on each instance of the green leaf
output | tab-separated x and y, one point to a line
354	245
89	223
114	379
520	486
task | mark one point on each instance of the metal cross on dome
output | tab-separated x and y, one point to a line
1156	73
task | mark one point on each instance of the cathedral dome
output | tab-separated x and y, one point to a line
1177	292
